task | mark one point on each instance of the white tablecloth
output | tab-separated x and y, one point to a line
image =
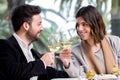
97	77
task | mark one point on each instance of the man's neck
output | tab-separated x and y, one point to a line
23	38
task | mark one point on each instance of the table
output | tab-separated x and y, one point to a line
65	79
96	77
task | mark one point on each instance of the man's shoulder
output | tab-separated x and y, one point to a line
8	41
3	41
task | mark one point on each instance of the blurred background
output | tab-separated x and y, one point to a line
59	17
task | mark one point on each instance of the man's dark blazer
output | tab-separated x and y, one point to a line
14	66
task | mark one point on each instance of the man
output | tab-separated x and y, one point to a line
18	59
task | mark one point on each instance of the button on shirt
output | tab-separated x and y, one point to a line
26	50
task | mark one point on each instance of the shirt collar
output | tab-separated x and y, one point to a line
21	42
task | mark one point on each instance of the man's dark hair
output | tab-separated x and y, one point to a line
23	13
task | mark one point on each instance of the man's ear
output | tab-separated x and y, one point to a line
26	26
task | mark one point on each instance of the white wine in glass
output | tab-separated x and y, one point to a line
66	44
54	42
65	40
54	48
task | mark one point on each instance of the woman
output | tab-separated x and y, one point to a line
97	51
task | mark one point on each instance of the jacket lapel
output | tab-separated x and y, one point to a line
36	54
15	46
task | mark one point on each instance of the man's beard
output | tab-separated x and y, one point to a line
31	36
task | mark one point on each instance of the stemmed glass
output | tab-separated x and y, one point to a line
65	41
54	42
54	45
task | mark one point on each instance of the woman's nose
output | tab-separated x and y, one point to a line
80	27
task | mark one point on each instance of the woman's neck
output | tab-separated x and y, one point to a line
91	45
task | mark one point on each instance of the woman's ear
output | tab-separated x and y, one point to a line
26	26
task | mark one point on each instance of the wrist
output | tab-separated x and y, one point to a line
43	63
67	66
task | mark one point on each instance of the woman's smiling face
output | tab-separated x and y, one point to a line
83	29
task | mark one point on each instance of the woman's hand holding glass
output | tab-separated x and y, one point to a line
65	56
66	43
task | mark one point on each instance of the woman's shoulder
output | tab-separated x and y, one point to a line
112	37
113	40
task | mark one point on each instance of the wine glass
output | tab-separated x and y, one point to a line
54	45
53	42
65	39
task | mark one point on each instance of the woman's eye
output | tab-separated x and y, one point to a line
84	24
